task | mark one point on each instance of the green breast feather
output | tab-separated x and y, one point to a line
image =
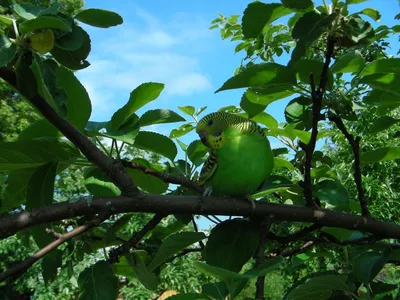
242	163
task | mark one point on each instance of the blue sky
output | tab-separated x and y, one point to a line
170	42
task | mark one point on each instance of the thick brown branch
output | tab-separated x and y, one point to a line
316	110
183	181
199	205
113	169
260	258
355	146
131	243
19	269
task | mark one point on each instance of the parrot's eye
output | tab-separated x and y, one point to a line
218	133
210	122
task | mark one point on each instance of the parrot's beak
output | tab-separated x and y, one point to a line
203	138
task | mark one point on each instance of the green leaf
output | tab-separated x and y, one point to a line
264	75
148	279
123	268
98	282
311	25
40	192
386	82
304	67
196	151
332	193
372	13
280	163
41	188
181	131
79	106
127	133
74	59
99	17
343	234
15	192
380	154
277	184
358	31
158	116
71	41
98	184
251	108
173	244
265	96
140	96
349	63
298	4
266	119
147	182
31	12
219	273
319	287
6	21
383	123
50	264
189	110
231	244
367	265
217	290
44	22
385	65
7	50
34	153
299	110
381	287
157	143
258	14
269	265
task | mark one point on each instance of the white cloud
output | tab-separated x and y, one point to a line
165	52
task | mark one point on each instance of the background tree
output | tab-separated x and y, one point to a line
336	59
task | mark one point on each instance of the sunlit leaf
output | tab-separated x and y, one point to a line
380	154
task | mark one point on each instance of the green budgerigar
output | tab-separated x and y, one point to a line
240	157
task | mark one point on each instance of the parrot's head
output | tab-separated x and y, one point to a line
211	129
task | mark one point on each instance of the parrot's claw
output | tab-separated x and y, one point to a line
208	191
252	203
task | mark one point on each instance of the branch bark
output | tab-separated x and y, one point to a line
113	169
19	269
260	258
317	96
355	146
199	205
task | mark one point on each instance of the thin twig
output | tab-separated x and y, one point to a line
355	146
131	243
317	96
181	180
196	229
19	269
260	258
184	252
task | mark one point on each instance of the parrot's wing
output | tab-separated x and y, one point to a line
208	169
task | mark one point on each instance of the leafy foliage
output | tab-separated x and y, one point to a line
344	93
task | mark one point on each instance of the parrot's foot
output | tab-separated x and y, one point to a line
252	203
208	191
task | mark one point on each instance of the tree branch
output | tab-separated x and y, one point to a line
260	258
294	236
131	243
181	180
355	146
19	269
316	110
113	169
199	205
